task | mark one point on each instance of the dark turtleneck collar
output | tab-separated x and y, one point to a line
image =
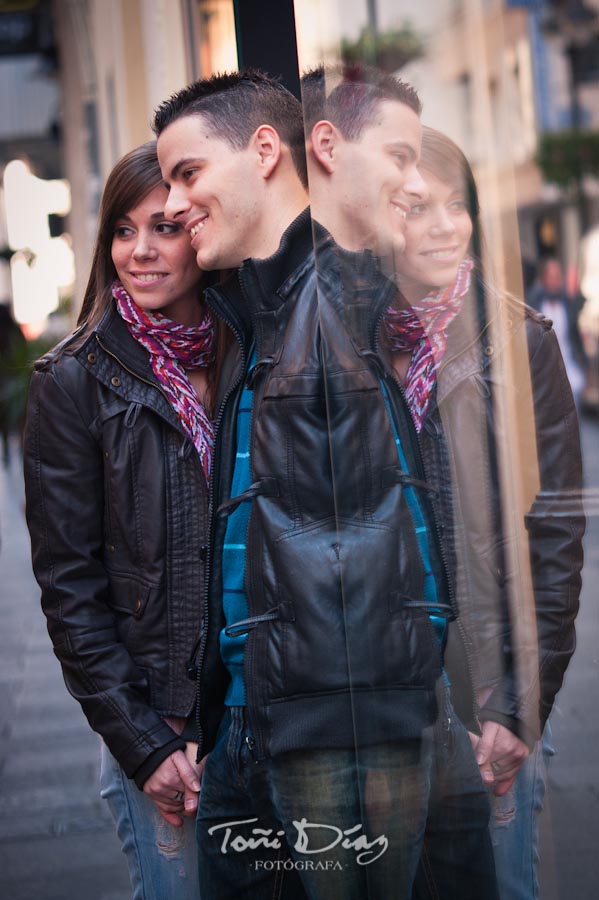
356	285
264	281
273	272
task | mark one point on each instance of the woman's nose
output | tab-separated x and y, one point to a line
442	222
144	247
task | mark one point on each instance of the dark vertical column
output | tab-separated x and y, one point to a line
266	39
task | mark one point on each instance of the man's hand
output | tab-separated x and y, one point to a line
499	754
174	787
190	801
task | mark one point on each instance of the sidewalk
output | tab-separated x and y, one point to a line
56	837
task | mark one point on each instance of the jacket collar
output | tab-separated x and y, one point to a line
261	285
113	335
272	275
356	285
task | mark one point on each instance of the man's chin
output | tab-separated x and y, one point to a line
390	256
207	262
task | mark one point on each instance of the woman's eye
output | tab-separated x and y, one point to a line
189	173
418	209
123	231
168	228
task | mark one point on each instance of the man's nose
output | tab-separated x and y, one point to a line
415	185
177	204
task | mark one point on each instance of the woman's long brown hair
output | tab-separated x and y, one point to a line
134	176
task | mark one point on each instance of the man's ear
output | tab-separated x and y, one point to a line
267	144
324	140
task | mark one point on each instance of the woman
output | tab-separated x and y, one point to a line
465	353
117	462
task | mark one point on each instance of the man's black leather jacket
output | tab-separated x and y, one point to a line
340	648
117	508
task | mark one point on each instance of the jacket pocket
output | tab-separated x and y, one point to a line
139	615
128	594
337	584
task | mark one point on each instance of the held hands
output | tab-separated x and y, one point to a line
174	786
499	754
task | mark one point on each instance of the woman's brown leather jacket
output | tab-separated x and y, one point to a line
117	512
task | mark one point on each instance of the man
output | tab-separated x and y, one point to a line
310	641
548	296
335	160
363	145
372	215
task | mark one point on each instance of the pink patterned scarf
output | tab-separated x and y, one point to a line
422	330
172	349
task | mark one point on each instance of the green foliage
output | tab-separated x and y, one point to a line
389	50
15	374
565	156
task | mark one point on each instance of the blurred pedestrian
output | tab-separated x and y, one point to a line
588	320
12	365
548	296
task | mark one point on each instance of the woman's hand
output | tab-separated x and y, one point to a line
499	754
174	787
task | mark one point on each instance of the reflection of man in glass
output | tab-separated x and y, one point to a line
364	176
362	173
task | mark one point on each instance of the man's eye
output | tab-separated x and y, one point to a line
189	173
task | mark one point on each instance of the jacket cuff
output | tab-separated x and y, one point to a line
516	726
149	766
190	730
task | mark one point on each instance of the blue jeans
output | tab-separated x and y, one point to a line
514	826
457	860
323	824
162	860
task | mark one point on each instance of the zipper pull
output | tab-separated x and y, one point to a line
251	745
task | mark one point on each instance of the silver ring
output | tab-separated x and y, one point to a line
496	768
178	796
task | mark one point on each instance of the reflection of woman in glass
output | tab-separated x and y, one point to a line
117	460
451	355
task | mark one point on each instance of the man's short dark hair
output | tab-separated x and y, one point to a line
234	105
353	98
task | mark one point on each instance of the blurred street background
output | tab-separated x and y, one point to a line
57	841
514	82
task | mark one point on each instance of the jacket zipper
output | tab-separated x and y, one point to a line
464	640
159	389
420	462
199	650
254	740
440	542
